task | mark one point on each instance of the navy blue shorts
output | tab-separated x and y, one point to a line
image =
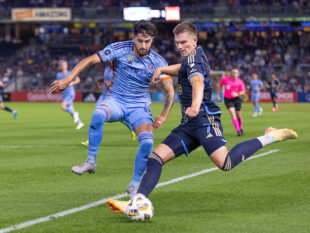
201	130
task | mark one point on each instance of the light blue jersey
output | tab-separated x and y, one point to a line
132	73
255	84
69	93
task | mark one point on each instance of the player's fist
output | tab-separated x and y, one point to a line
156	75
158	121
218	98
59	85
191	111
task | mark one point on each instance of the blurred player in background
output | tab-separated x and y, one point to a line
68	94
14	112
104	84
233	90
273	87
201	124
256	86
133	64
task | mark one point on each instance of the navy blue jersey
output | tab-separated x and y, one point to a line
273	85
196	64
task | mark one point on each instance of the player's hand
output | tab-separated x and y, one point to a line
191	111
158	122
234	94
59	85
156	76
218	98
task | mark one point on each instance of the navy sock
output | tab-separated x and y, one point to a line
241	152
152	174
8	109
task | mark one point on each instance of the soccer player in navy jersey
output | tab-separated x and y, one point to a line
134	63
274	86
68	94
5	108
200	124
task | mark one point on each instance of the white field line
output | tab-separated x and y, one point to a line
119	196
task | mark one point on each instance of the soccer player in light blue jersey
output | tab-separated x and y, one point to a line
104	84
68	94
133	64
256	86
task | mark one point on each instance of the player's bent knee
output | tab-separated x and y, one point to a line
100	115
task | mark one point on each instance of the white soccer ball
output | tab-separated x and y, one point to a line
140	208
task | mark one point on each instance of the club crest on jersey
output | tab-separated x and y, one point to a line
191	65
150	67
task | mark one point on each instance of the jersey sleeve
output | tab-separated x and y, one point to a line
162	63
193	69
109	53
222	81
58	76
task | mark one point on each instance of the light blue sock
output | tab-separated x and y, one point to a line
69	110
256	107
95	132
146	144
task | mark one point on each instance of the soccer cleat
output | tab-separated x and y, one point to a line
273	109
277	108
85	143
260	111
14	112
118	206
80	125
84	167
131	190
133	136
279	135
255	114
75	117
241	130
239	133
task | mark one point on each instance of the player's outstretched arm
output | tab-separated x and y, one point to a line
168	70
198	86
75	81
169	89
62	84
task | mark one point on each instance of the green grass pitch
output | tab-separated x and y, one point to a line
37	151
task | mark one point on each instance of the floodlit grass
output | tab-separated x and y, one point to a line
37	151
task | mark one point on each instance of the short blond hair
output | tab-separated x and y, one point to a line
185	26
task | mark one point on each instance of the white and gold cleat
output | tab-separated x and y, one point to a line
279	135
85	143
118	206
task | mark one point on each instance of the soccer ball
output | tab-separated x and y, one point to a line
140	208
